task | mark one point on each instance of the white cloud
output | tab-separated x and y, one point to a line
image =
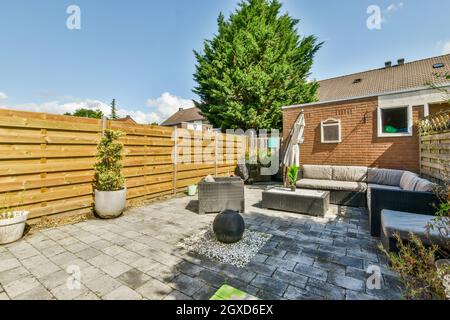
394	7
3	96
446	47
159	109
167	104
390	10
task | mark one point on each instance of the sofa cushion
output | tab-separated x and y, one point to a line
387	177
317	172
404	223
409	181
356	174
424	185
209	178
332	185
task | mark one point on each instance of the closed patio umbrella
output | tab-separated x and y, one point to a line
292	154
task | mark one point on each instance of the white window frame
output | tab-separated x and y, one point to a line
325	124
382	134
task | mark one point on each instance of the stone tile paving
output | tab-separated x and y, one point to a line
136	257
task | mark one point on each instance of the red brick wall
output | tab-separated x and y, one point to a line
360	143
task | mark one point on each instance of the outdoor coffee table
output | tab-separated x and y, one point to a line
310	202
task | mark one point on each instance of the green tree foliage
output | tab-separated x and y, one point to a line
86	113
108	169
256	64
114	115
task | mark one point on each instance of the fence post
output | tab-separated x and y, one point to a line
175	161
104	124
215	154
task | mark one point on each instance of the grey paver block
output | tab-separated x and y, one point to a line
311	272
123	293
154	290
346	282
19	286
103	285
11	275
133	278
260	268
63	292
177	295
293	293
270	285
113	250
281	263
186	284
291	278
37	293
7	264
116	268
325	289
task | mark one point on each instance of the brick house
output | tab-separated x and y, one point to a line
368	118
190	119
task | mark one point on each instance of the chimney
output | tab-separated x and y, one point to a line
388	64
180	109
401	61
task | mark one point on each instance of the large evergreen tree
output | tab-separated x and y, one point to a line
256	64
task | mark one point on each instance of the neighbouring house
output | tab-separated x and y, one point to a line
369	118
190	119
127	119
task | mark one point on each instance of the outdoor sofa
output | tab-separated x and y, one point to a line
374	188
218	194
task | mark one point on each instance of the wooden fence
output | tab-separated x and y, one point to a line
435	155
46	161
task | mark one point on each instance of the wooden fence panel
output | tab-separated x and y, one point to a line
435	155
46	161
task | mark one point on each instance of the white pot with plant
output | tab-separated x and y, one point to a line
12	224
110	190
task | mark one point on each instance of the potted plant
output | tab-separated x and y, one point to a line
110	190
292	175
12	223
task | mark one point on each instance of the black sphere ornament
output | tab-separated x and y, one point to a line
229	226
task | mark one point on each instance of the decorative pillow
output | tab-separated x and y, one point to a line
424	185
317	172
209	178
351	173
387	177
409	181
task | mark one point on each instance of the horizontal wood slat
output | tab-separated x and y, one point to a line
46	160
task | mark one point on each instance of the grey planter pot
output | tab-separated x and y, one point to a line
12	226
110	204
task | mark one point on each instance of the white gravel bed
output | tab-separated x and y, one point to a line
238	254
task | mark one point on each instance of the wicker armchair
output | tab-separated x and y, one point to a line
223	194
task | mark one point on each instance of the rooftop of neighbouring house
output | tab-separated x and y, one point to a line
184	115
392	77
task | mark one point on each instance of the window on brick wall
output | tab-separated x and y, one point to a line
331	131
395	121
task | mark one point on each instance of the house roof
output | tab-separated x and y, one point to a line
184	115
412	75
127	119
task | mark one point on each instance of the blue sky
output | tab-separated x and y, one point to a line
140	51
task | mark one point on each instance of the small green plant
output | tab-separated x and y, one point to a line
108	169
292	175
415	264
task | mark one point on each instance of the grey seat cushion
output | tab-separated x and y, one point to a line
409	181
350	173
404	223
424	185
384	176
332	185
317	172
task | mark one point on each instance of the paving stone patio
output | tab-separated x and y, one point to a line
136	257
